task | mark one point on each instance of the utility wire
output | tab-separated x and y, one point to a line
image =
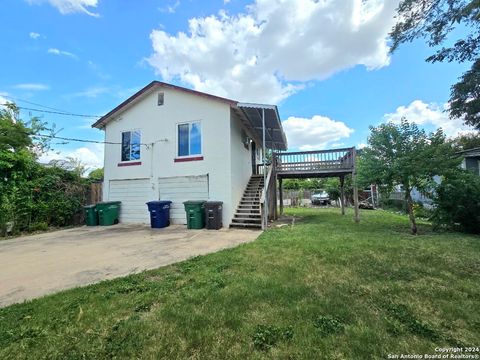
32	103
56	112
84	140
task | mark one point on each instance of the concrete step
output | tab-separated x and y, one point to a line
237	220
246	225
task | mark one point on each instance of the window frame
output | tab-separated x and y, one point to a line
131	131
189	123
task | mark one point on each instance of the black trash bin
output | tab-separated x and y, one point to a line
159	213
213	215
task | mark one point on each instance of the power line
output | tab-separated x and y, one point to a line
32	103
85	140
56	112
79	140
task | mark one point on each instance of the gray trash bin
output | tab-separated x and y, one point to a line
213	215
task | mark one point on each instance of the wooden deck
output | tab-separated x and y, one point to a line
314	164
310	164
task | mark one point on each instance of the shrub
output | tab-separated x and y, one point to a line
328	325
266	336
394	204
421	212
457	202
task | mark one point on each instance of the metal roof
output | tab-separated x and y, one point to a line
251	115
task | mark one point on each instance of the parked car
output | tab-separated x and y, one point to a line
320	198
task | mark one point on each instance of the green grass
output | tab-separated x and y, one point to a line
325	289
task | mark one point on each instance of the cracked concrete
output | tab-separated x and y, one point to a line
37	265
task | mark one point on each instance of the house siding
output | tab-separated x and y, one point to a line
472	164
158	125
241	161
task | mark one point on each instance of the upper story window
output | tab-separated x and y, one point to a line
189	139
131	145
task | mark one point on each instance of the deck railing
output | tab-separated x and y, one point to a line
315	161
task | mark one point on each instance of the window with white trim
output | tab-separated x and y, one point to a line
189	139
131	145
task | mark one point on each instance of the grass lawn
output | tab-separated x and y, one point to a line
325	288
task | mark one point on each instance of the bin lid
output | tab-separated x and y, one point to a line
194	202
159	202
109	203
89	206
213	203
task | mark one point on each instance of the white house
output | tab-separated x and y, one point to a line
171	143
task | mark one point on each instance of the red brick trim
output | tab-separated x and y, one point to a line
130	163
194	158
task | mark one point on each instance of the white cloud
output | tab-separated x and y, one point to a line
269	52
34	35
430	116
59	52
91	156
32	86
170	8
70	6
92	92
317	132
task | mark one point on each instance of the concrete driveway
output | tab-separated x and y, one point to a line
37	265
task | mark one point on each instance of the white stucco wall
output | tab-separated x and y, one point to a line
159	123
241	161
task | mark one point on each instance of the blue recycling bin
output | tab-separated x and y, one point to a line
159	213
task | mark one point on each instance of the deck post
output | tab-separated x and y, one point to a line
274	174
355	186
342	194
265	208
280	193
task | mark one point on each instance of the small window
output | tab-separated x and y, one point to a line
130	145
189	139
160	100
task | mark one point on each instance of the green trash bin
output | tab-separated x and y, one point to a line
108	212
91	216
195	214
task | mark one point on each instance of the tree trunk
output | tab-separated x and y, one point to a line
411	215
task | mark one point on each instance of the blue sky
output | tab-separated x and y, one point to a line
326	66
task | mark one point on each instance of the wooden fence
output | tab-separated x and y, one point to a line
94	194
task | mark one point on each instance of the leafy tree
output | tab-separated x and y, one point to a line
434	21
402	154
468	141
70	164
457	201
96	175
33	196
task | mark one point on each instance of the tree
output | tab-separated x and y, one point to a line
457	202
96	175
402	154
33	196
434	21
468	141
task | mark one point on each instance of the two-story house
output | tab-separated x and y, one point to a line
171	143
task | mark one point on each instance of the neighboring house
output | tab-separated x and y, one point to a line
471	160
171	143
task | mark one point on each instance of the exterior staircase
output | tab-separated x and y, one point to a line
248	213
